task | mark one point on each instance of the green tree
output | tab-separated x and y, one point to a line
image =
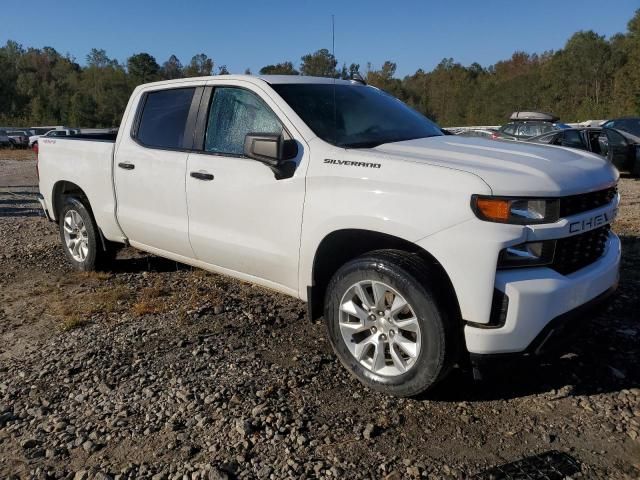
172	68
200	66
143	68
319	64
284	68
385	79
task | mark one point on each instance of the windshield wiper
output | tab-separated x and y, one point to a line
369	144
376	143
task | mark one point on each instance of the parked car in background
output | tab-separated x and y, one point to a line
628	124
36	132
478	132
5	141
524	125
65	132
19	137
621	148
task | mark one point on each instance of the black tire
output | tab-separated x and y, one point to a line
97	257
420	285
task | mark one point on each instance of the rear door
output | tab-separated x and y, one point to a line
243	219
620	152
149	171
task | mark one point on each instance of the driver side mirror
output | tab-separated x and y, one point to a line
269	148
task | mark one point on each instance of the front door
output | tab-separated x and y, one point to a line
242	218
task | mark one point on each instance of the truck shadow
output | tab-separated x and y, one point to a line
602	355
137	262
18	203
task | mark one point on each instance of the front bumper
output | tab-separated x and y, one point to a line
538	296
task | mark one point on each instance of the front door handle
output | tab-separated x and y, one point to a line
202	175
126	166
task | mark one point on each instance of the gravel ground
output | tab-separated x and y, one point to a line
155	370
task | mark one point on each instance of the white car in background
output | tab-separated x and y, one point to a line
62	132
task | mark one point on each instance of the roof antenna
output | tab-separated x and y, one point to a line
333	36
333	53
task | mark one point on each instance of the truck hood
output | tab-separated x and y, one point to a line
511	167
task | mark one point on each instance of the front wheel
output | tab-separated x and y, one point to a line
80	237
386	324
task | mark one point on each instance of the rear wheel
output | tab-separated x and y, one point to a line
80	237
386	324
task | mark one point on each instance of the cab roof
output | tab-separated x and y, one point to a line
270	79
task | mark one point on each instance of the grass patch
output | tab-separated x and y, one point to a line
151	301
76	309
93	275
72	322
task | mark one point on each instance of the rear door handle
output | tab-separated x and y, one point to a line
202	175
126	166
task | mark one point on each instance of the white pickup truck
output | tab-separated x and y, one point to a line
420	250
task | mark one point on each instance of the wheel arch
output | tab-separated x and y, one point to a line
341	246
63	189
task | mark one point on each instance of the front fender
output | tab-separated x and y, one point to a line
406	200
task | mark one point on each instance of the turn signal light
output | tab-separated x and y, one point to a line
514	210
493	209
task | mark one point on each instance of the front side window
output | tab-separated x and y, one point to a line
615	139
164	118
234	113
631	126
355	116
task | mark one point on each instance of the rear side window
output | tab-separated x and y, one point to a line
510	129
234	113
164	118
572	138
551	139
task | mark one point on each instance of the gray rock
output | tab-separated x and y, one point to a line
29	443
369	431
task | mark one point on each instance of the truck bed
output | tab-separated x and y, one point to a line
87	161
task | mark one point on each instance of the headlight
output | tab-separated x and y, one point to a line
519	211
531	254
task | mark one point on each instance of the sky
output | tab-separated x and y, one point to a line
250	33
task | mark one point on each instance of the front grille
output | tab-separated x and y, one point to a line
584	202
574	253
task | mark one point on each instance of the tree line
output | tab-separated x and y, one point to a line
591	77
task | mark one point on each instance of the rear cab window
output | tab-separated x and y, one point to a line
163	119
